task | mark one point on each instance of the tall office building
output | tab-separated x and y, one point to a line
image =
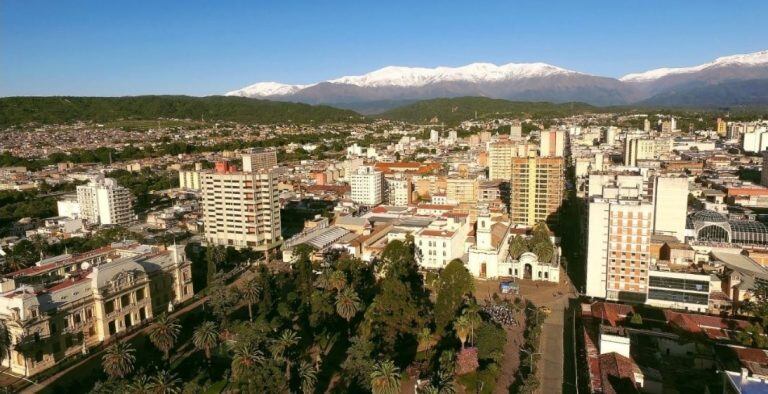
618	248
647	125
241	208
516	130
103	201
536	189
552	143
367	186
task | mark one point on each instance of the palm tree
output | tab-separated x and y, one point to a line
163	334
323	280
247	356
118	360
461	325
385	378
426	340
472	312
164	382
337	280
308	375
139	385
282	345
251	292
206	337
347	304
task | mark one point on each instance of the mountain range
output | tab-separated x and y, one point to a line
737	80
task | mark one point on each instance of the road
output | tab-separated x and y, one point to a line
552	349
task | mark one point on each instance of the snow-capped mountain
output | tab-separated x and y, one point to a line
266	89
475	72
746	60
390	86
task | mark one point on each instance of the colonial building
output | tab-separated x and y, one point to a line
64	305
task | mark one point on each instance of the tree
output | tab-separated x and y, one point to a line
394	313
347	304
214	256
385	378
163	334
247	356
490	342
139	385
118	360
5	341
222	299
206	337
454	284
282	346
308	375
517	246
359	362
753	335
636	319
337	280
544	250
461	325
251	292
164	382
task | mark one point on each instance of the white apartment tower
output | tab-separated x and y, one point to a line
552	143
102	201
367	186
670	205
618	249
398	191
241	208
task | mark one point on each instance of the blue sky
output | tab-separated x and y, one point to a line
209	47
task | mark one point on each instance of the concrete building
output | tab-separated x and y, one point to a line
536	189
398	190
189	180
637	149
764	171
69	207
678	290
442	241
552	143
670	200
259	159
79	301
618	248
102	201
500	154
367	186
241	208
461	190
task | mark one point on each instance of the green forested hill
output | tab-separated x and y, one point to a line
58	110
455	110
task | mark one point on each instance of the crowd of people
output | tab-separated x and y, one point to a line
501	313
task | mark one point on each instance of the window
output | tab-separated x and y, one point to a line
140	294
125	300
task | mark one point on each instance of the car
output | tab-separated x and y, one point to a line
545	309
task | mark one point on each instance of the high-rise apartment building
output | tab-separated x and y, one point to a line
536	189
500	154
722	127
259	159
670	205
636	149
398	190
102	201
241	208
367	186
461	190
618	248
552	143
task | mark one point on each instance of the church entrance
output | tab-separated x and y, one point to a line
528	272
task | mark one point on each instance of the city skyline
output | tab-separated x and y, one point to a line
197	49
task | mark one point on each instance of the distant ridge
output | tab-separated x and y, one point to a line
59	110
391	86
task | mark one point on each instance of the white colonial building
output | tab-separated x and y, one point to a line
487	258
528	266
